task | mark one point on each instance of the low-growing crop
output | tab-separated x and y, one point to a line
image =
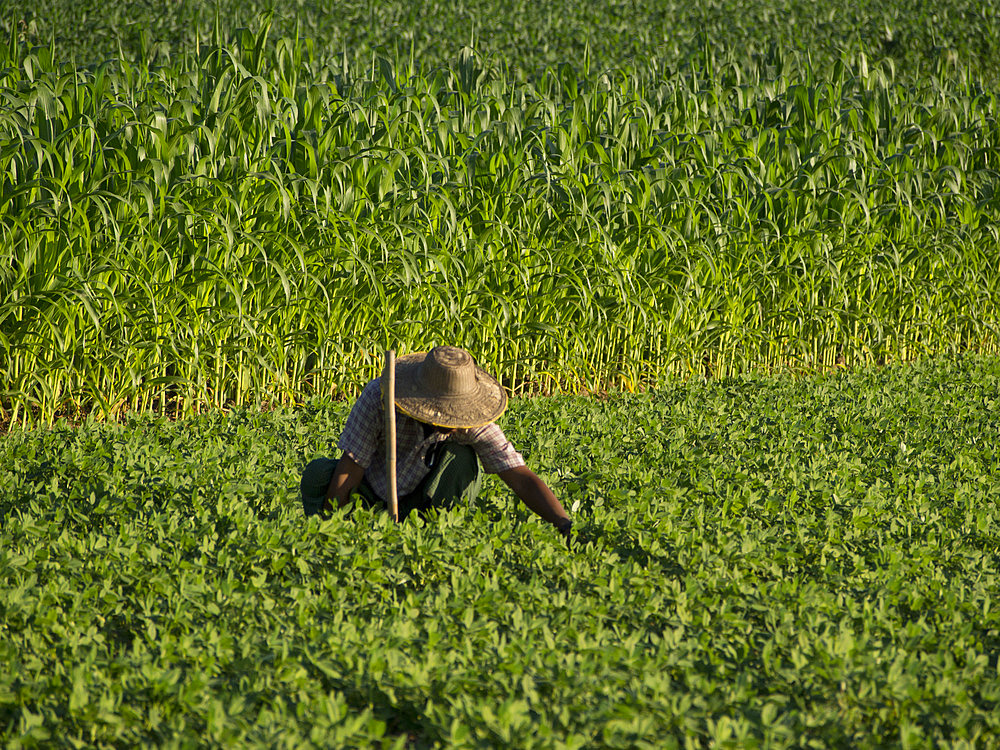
766	561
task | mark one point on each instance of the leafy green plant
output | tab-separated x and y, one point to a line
771	561
250	222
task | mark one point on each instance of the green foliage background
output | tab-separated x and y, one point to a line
769	561
198	210
530	36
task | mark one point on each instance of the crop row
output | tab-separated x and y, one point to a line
529	34
765	561
253	223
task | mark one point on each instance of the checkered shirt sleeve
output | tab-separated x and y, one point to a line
362	435
493	448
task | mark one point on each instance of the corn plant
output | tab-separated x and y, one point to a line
253	222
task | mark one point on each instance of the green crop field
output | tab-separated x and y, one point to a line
220	214
748	253
761	562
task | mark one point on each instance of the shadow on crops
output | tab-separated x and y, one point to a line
403	714
30	484
629	549
9	505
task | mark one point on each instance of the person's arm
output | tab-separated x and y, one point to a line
346	478
359	439
534	493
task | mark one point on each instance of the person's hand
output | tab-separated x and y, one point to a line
565	527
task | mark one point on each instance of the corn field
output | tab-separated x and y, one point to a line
253	220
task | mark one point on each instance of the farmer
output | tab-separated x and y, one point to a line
446	407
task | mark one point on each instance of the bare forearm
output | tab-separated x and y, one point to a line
346	478
535	494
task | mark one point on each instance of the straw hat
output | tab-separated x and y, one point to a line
446	388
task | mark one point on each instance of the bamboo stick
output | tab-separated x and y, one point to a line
389	407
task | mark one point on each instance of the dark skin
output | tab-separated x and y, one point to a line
527	485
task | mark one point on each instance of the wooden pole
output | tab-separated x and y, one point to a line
389	407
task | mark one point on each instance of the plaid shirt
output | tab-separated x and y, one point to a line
363	440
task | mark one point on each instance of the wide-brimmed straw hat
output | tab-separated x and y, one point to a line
446	388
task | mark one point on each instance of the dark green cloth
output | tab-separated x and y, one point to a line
455	477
